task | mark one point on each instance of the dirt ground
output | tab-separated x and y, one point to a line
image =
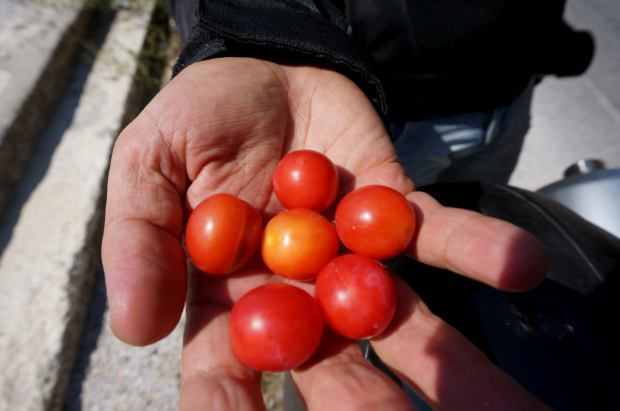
273	392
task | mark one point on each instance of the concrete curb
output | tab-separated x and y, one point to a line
49	264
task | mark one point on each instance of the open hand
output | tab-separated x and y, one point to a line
222	126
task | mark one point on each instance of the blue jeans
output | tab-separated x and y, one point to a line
482	145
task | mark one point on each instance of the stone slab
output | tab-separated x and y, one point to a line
38	50
47	267
110	375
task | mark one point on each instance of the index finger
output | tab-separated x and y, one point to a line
482	248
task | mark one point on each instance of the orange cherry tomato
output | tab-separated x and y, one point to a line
222	234
306	179
375	221
357	296
298	243
275	328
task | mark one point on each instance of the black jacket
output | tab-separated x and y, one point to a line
414	59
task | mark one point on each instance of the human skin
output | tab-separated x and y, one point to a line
222	126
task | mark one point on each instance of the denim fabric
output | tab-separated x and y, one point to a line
482	145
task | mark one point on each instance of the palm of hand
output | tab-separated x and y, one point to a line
205	134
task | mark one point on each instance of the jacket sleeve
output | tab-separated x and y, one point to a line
284	31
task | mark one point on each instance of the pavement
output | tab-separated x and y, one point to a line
579	117
56	348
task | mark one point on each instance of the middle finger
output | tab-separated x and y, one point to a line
443	366
338	377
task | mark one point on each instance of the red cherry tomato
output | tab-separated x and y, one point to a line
357	296
275	328
222	234
306	179
298	243
375	221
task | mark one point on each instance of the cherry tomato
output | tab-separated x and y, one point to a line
222	234
357	296
375	221
306	179
298	243
275	328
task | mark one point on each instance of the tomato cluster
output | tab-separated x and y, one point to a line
278	327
